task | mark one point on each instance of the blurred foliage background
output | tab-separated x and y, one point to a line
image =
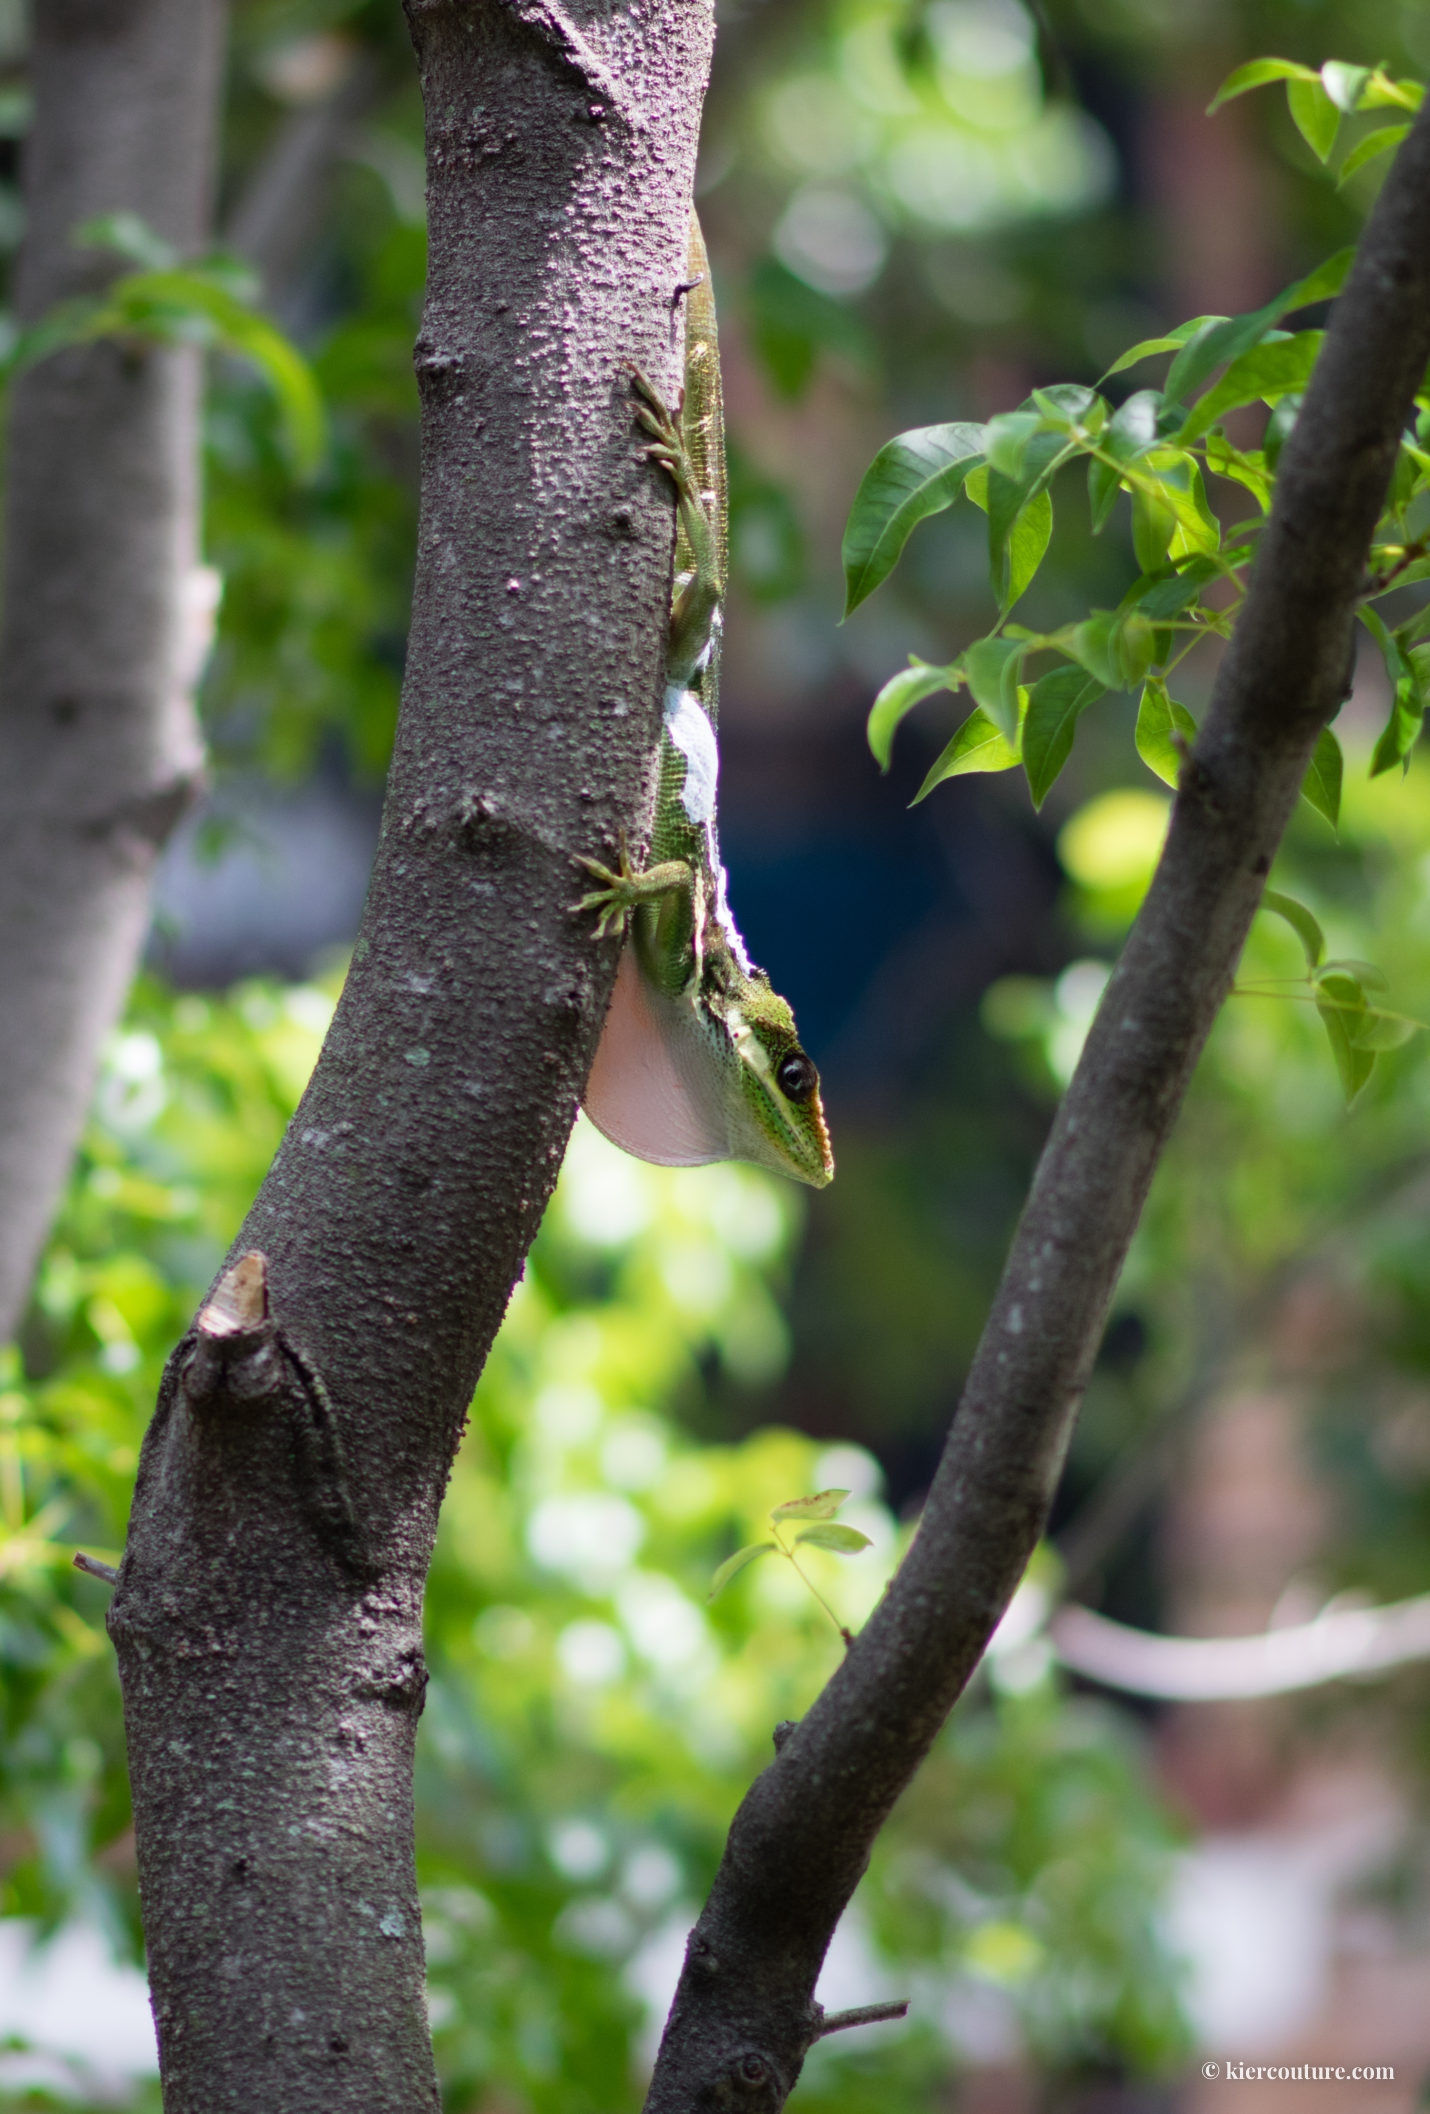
917	210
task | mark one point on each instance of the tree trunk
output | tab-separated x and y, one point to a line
105	607
268	1611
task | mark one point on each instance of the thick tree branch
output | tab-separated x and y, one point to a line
105	610
743	2016
268	1611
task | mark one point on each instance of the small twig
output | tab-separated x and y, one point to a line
862	2015
95	1568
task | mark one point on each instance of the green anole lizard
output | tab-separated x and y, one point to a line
699	1059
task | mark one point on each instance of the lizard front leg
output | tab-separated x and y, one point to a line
623	890
664	906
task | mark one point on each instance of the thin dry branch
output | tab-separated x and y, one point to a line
744	2015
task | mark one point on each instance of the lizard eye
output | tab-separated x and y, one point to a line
797	1076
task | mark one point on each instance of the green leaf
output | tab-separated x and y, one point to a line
1255	74
1225	338
1340	1001
1153	526
1055	704
734	1565
1314	115
977	746
1167	594
1321	787
991	666
917	474
1382	93
1102	483
1114	645
844	1541
1279	428
909	687
1006	439
1379	1031
1172	342
1343	83
1159	718
1279	366
1368	149
1020	515
1027	544
1247	470
1407	711
822	1505
1302	923
1400	732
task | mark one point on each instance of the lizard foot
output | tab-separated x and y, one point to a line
617	896
623	890
669	448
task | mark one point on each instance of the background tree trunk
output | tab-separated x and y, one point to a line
105	608
268	1612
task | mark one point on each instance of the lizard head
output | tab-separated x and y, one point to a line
784	1125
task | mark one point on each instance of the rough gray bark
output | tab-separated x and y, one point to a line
744	2015
267	1616
99	748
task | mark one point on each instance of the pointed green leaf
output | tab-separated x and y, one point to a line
1006	439
1381	93
1340	1001
1379	1031
1324	776
822	1505
734	1565
909	687
1368	149
1279	366
1407	711
917	474
1323	284
1301	921
1255	74
1027	544
1159	719
1173	341
844	1541
977	746
1396	665
1114	645
1314	115
1400	732
1168	594
1020	513
1153	526
1102	484
1247	470
1225	338
992	670
1055	704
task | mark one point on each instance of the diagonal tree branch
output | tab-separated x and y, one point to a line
744	2016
